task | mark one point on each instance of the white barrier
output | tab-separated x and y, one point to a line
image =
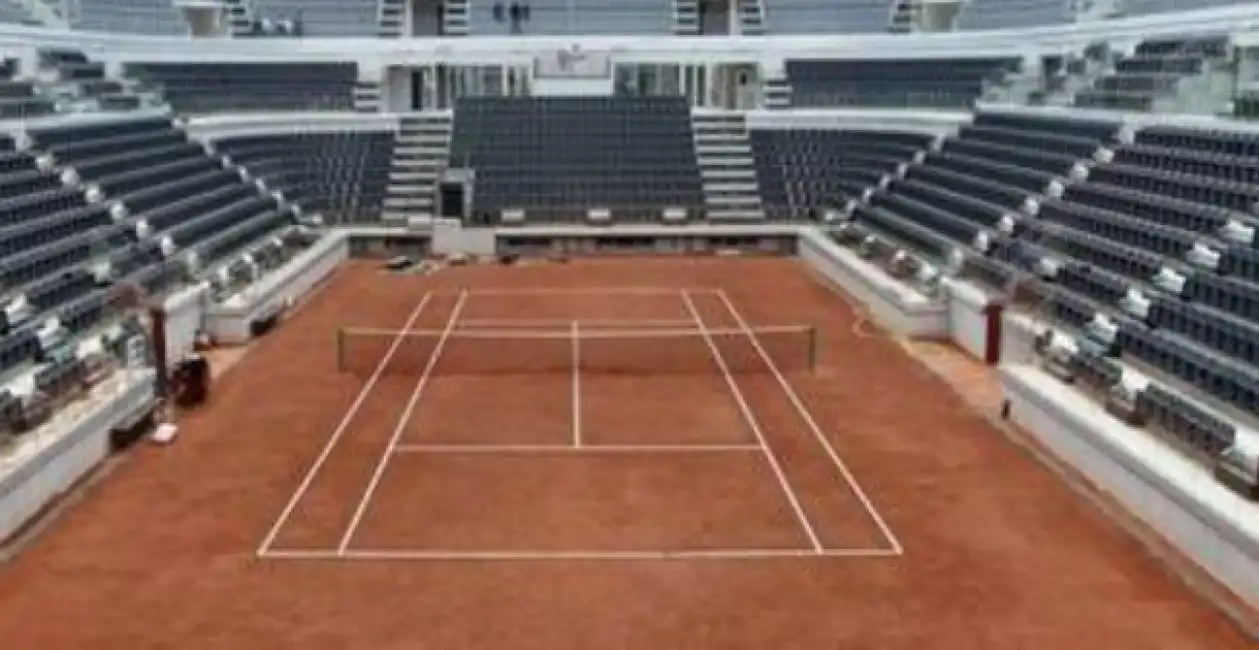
906	311
974	320
230	321
185	317
50	460
1168	491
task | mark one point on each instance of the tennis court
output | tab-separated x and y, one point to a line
481	524
601	422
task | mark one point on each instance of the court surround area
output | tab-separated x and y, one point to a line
522	471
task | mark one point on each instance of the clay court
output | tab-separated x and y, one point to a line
671	453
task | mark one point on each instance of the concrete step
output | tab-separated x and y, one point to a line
727	173
420	137
720	137
725	161
740	201
409	190
735	215
720	148
413	177
404	203
731	187
418	164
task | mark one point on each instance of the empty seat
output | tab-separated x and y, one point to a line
225	87
557	158
940	83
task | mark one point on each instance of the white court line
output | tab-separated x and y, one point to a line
576	347
756	428
813	426
341	428
589	291
582	449
398	430
564	323
437	555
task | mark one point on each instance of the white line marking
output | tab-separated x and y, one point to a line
756	428
562	323
588	291
565	332
813	426
583	448
341	428
576	345
398	430
420	555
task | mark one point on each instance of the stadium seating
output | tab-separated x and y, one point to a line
341	176
178	198
226	87
328	18
1159	70
840	16
82	84
1009	14
19	99
1143	7
155	17
563	17
802	171
975	179
939	83
554	158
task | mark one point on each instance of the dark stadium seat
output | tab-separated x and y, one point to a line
227	87
555	158
339	175
936	83
802	170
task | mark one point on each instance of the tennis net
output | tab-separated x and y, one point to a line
651	351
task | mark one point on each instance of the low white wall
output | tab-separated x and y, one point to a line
212	127
450	238
931	122
50	460
970	319
229	321
185	317
894	304
1171	493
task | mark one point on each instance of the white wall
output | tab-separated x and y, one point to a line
665	49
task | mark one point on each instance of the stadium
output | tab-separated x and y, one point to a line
638	324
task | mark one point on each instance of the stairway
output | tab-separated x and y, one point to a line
904	17
751	18
420	154
391	18
240	16
686	17
724	154
777	94
366	97
455	17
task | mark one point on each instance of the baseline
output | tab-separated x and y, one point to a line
571	449
721	554
586	291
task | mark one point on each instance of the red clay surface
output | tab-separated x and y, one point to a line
998	553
